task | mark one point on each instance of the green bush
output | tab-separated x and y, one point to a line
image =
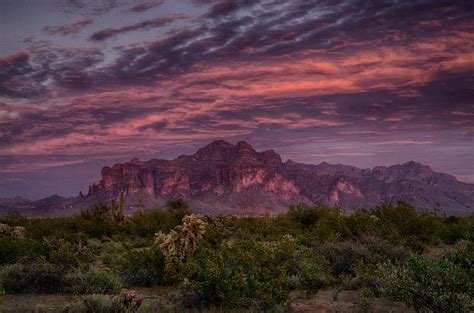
427	284
13	250
149	222
94	282
240	275
125	302
64	253
72	228
178	206
343	256
312	271
402	224
37	276
14	218
462	255
98	212
306	216
142	267
455	228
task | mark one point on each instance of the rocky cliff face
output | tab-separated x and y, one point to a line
225	178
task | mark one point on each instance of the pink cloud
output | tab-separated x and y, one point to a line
404	142
460	113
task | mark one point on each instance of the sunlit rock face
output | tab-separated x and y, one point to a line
219	175
236	179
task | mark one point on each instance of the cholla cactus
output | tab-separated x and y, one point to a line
289	237
15	232
18	232
374	218
182	240
5	230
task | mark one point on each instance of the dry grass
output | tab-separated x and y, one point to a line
323	301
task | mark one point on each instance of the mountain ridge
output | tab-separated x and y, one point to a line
223	178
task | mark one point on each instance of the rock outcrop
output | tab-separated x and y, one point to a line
223	178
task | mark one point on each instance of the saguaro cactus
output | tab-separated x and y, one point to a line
118	210
121	207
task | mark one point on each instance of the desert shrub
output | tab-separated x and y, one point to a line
260	229
402	224
14	218
306	216
69	228
178	206
93	282
218	229
376	250
312	271
142	267
284	250
456	228
12	249
333	227
97	212
427	284
316	223
343	256
33	276
239	275
125	302
64	253
364	278
362	223
147	223
462	255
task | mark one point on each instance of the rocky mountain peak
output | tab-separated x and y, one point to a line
245	150
270	157
219	150
241	152
223	178
411	168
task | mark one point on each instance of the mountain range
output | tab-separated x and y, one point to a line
223	178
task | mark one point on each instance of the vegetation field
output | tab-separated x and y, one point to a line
313	258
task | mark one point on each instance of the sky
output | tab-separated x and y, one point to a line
89	83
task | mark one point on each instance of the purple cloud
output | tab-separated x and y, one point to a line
65	30
147	24
145	6
357	81
226	7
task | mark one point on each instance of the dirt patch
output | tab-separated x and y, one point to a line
347	301
34	303
323	301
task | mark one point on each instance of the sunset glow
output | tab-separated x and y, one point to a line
88	83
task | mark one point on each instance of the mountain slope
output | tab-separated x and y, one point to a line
226	178
222	178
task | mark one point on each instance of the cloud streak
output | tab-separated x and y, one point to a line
145	6
69	29
147	24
